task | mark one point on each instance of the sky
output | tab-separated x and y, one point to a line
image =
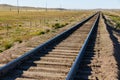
68	4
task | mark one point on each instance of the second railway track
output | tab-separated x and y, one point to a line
52	62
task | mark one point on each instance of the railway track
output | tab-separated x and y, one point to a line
53	59
88	65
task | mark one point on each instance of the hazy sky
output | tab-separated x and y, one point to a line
70	4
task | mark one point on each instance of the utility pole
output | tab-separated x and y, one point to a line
39	7
60	5
18	7
46	5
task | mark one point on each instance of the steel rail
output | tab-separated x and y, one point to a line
78	59
11	65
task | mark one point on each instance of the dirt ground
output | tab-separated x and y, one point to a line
109	69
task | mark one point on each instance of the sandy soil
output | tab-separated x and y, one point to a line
109	68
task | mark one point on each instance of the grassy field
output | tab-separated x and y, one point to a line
16	28
115	18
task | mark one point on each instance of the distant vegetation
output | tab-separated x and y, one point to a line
7	7
116	20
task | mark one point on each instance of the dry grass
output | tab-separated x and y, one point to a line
16	27
114	18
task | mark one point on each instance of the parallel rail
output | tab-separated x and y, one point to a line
75	66
11	65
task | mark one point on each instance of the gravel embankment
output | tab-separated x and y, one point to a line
108	69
